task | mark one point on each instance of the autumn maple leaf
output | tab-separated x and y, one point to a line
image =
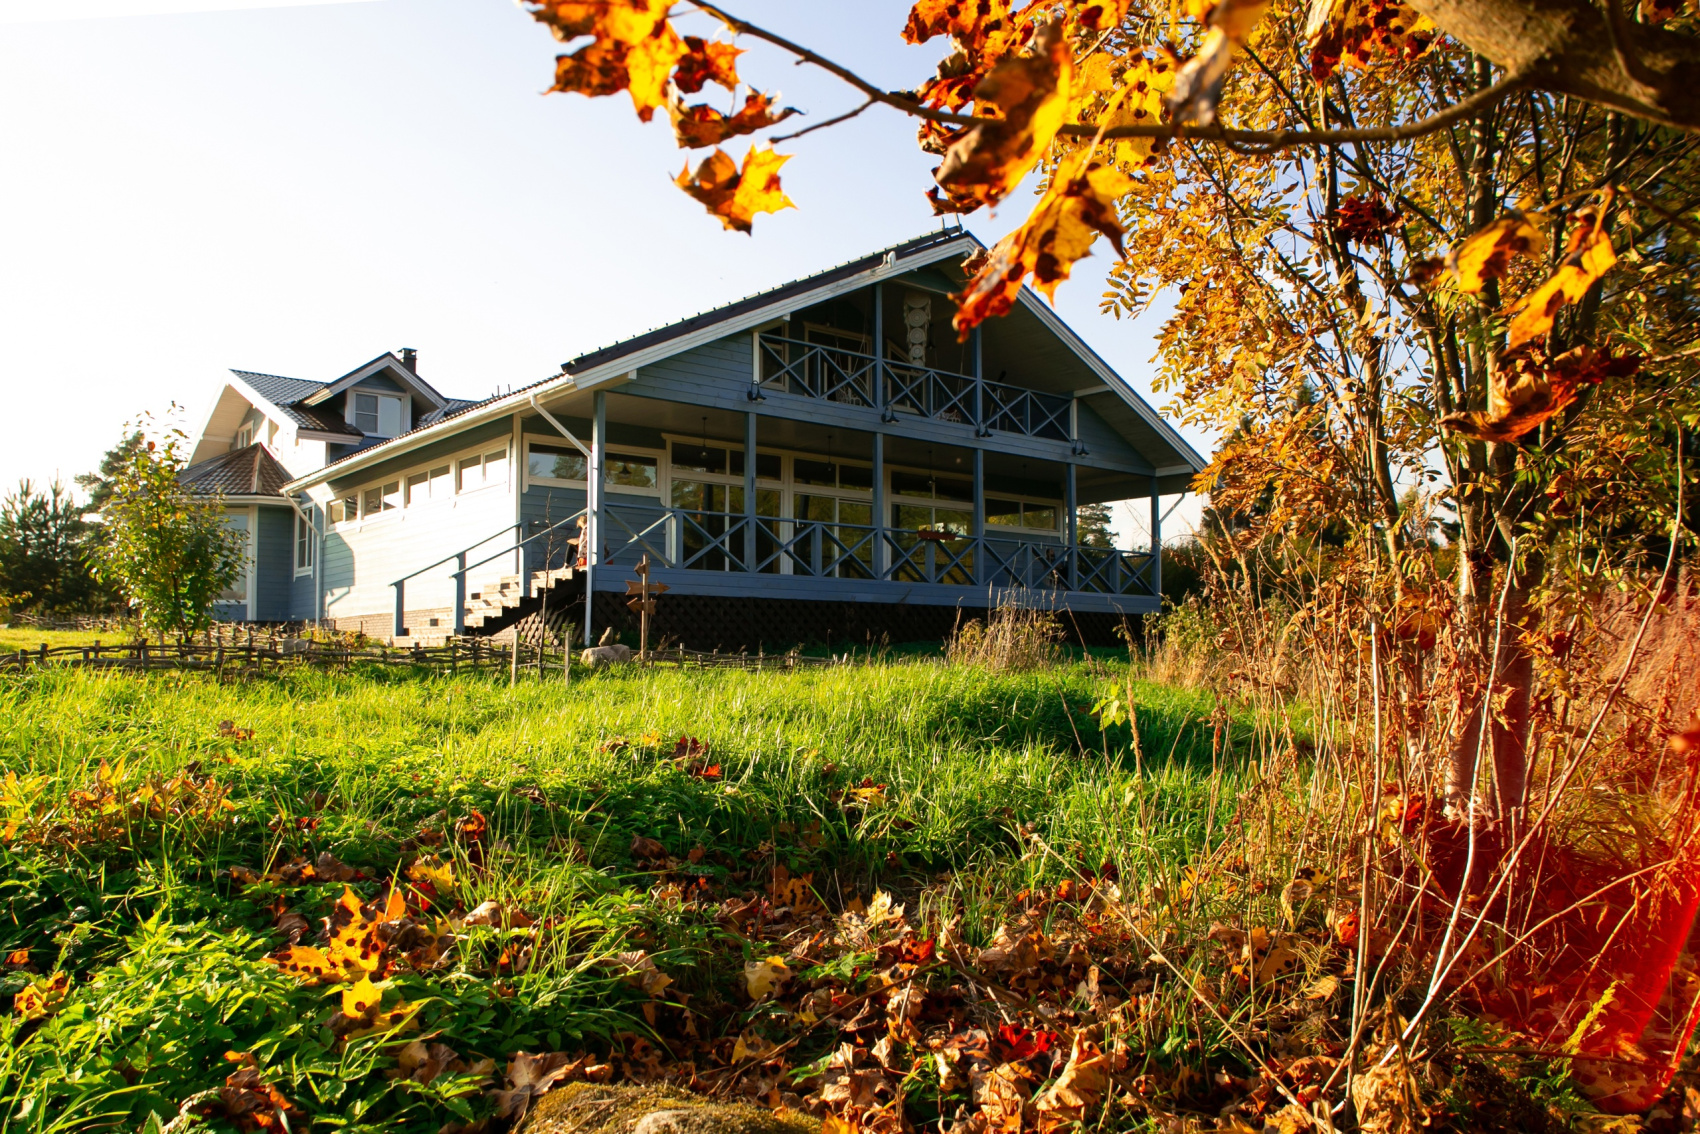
1079	205
1029	95
736	195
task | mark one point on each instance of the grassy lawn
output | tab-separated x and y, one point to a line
155	857
13	639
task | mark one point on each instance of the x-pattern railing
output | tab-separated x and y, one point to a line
937	394
817	371
823	549
639	539
727	542
1011	409
817	548
832	373
917	560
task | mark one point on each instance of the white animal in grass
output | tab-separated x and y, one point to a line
607	652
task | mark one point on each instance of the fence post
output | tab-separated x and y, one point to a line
44	653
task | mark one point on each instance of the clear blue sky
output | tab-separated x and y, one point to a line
295	188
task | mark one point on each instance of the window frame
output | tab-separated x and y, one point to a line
307	542
662	458
452	463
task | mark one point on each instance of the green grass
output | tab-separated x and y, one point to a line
15	638
165	954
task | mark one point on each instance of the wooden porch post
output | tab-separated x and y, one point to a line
980	429
980	515
593	510
879	349
1071	527
750	490
879	505
1156	540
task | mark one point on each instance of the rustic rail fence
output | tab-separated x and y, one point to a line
237	655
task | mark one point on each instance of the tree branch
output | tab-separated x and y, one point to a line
1571	47
1272	139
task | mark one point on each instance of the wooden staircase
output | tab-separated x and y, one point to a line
494	608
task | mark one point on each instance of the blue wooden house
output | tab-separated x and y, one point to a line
822	460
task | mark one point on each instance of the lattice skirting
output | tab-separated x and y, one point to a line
705	622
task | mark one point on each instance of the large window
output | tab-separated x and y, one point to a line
1028	514
554	462
303	545
632	472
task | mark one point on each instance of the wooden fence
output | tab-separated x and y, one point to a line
264	654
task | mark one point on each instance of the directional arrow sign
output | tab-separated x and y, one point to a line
641	606
633	587
657	588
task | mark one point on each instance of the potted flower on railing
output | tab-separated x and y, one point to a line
939	535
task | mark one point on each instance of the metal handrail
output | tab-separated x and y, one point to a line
462	567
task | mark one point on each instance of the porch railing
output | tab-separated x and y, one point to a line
733	542
830	373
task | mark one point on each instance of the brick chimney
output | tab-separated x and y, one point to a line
410	359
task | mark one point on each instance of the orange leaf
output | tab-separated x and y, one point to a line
1355	33
699	127
1589	257
1080	204
1078	1089
306	963
1029	95
1198	85
705	63
734	195
1486	255
1526	390
967	20
634	48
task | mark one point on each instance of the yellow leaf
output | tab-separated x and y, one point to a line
1198	85
429	870
359	999
734	195
1357	33
1486	255
1589	257
1076	208
1029	95
762	978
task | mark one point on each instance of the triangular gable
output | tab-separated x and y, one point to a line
386	361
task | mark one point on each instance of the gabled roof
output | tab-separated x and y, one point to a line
612	362
386	361
286	395
245	472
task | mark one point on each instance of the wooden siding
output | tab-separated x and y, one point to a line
717	375
363	560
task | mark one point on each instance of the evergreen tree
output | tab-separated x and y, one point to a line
100	484
1092	526
44	544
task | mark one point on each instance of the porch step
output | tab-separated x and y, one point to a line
493	603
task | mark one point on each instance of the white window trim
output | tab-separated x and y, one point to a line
312	545
662	468
404	414
407	505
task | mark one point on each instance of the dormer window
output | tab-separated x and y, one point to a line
376	415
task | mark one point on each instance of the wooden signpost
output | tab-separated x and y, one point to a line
640	596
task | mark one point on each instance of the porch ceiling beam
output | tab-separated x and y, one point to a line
561	429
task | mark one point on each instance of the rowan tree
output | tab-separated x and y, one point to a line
1441	245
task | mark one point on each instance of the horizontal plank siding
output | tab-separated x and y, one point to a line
363	560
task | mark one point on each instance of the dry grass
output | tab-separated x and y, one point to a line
1012	638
